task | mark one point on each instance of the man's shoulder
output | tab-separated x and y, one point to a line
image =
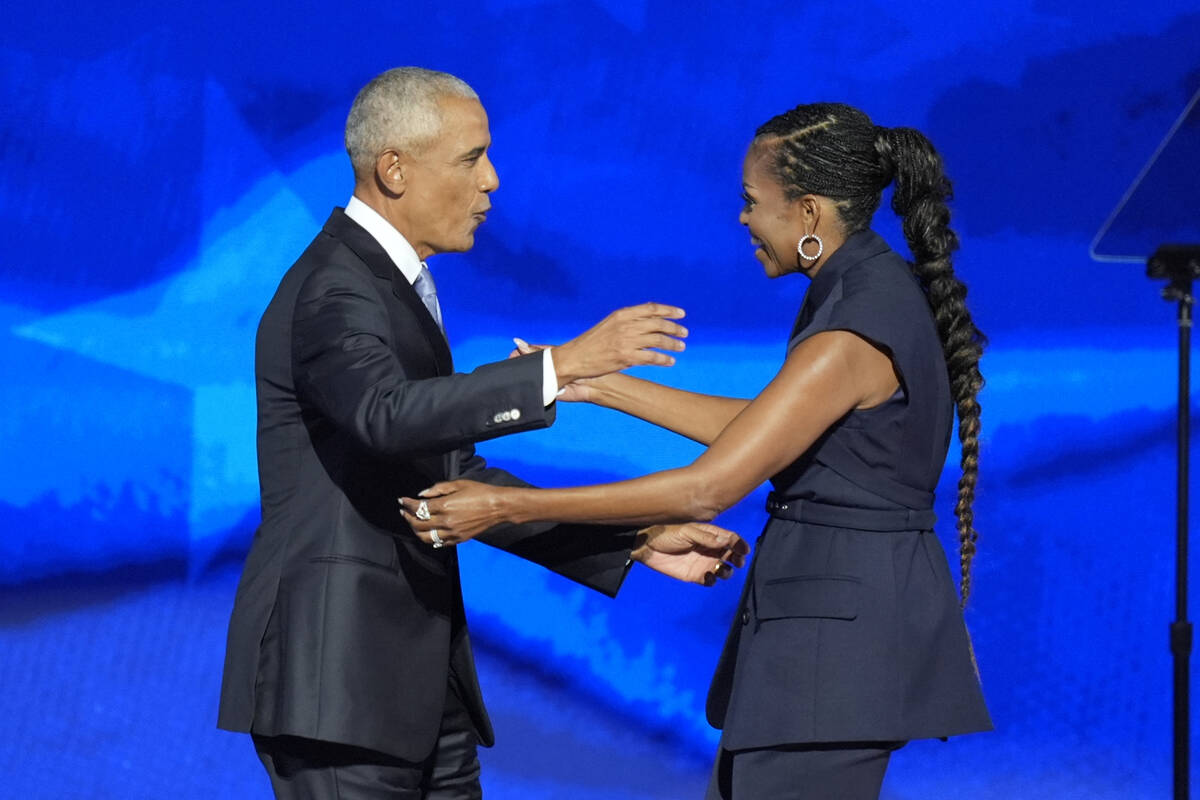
327	259
326	265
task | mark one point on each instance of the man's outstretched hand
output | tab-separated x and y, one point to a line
695	552
628	337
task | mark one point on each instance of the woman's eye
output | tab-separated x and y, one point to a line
747	201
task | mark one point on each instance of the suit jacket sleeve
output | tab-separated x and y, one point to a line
347	364
597	556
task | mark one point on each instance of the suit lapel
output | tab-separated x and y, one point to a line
377	260
404	290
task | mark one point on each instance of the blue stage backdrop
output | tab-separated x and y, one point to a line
162	166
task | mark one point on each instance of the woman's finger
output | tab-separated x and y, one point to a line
408	509
440	489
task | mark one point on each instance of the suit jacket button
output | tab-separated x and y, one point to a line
516	414
745	616
498	418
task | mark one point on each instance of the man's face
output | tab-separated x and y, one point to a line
449	180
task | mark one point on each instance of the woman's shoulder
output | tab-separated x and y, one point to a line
882	299
879	267
884	278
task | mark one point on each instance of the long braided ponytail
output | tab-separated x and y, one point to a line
919	198
836	151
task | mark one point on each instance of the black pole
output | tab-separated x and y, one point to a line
1181	630
1180	265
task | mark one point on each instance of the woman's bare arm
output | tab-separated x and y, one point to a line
699	417
825	377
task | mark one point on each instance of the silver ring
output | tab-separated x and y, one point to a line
437	540
423	511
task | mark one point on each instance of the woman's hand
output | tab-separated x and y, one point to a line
454	511
695	552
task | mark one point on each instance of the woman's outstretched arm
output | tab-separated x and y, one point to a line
825	377
699	417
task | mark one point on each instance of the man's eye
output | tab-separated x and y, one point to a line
747	201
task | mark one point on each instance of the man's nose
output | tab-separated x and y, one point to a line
491	179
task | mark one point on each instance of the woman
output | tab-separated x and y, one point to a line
849	639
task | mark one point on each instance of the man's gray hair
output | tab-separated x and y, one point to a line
398	109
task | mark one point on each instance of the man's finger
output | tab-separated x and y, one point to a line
659	310
663	342
725	537
653	358
660	325
704	537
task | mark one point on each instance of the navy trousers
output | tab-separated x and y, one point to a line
845	771
306	769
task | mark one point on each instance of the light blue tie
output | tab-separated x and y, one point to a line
427	291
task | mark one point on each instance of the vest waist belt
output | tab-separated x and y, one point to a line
867	519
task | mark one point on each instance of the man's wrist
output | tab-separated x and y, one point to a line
564	364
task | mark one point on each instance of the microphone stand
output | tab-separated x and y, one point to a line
1180	264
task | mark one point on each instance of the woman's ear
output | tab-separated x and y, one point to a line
809	210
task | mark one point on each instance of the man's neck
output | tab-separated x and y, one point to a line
393	242
391	209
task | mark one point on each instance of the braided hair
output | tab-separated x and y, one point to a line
835	150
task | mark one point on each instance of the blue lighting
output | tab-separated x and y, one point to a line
162	169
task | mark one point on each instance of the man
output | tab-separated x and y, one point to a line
348	657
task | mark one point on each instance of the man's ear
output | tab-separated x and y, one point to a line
391	172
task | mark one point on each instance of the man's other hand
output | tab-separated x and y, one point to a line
695	552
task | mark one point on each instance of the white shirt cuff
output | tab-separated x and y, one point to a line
549	378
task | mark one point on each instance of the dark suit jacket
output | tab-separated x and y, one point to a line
345	625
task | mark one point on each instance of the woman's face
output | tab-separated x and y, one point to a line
775	223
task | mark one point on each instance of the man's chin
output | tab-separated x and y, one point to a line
461	246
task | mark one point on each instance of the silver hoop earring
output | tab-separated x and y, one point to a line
810	237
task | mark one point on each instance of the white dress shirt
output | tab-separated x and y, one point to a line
406	260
